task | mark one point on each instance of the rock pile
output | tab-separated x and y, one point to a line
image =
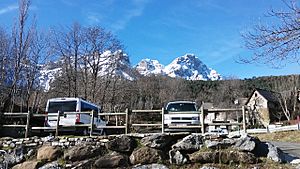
159	150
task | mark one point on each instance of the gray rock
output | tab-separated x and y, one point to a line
79	153
246	143
113	160
145	155
48	153
223	156
27	165
176	157
159	141
219	144
191	142
123	144
208	167
52	165
151	166
275	153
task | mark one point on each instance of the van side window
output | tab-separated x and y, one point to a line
86	107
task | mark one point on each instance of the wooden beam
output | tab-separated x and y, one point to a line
27	124
202	118
145	125
57	123
126	121
244	119
162	120
146	111
222	110
92	123
14	125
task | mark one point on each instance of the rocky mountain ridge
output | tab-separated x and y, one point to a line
117	63
188	67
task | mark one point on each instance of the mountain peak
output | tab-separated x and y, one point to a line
147	67
187	67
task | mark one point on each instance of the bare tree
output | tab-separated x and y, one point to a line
275	44
67	44
21	41
99	48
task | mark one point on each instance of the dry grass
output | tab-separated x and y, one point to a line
284	136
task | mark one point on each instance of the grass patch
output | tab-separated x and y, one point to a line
283	136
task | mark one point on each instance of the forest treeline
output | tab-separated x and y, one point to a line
153	92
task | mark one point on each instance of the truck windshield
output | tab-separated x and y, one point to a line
177	107
66	106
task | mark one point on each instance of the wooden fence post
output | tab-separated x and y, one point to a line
126	121
202	118
57	123
298	122
244	119
27	124
92	123
162	120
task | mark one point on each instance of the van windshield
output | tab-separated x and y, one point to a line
65	106
177	107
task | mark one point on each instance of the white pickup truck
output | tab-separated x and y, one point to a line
181	113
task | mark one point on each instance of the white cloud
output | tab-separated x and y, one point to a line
137	10
93	18
8	9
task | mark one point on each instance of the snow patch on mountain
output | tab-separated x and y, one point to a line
110	64
147	67
188	67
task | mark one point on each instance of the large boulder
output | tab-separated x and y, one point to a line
204	157
51	165
123	144
145	155
219	144
151	166
48	153
265	149
224	157
191	142
178	158
246	143
16	156
113	160
159	141
27	165
81	152
275	153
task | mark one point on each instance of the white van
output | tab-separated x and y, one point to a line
69	108
181	113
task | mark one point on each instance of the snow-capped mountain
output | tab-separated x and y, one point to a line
115	64
187	67
147	67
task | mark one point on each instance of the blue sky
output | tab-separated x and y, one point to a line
165	29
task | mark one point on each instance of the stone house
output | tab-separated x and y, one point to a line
264	107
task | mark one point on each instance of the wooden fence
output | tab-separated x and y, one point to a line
126	126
